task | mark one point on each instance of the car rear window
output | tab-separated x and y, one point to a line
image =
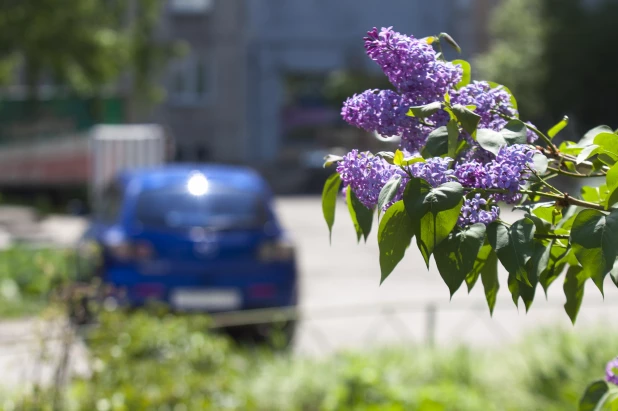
223	208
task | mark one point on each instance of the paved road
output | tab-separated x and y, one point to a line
345	307
345	276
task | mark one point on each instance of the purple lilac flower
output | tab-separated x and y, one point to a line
509	169
610	375
475	210
411	65
472	174
366	174
487	100
379	111
434	170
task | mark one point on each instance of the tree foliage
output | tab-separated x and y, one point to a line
84	44
556	56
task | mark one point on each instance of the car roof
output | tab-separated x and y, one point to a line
238	177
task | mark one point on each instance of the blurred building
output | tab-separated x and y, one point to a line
253	87
248	90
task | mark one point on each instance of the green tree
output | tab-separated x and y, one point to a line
556	56
515	58
83	44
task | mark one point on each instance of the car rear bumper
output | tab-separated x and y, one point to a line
264	287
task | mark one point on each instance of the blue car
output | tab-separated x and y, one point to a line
200	238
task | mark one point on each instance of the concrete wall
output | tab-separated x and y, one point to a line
317	36
212	129
255	43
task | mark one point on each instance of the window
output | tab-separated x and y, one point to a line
220	208
192	80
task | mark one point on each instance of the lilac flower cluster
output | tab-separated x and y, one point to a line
506	171
378	110
419	78
434	170
366	174
411	65
489	102
477	210
610	375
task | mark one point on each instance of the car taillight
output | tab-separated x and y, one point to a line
279	250
126	251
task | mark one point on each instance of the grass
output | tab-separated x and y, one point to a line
144	362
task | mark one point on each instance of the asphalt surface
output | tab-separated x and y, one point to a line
343	305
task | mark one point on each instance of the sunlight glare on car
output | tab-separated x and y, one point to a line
197	184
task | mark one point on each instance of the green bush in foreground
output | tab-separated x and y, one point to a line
141	362
28	276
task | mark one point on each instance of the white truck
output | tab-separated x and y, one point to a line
115	148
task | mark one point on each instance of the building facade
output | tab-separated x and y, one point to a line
228	99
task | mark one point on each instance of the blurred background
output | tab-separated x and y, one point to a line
85	84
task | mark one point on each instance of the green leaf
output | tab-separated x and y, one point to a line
542	226
612	177
548	212
558	127
394	235
540	163
614	272
330	159
612	198
515	132
455	256
536	265
490	140
489	275
329	200
398	158
450	41
453	136
513	284
362	217
555	265
389	191
591	194
574	290
569	147
609	144
514	246
568	218
467	72
471	279
586	153
433	211
593	396
411	160
468	119
500	86
424	111
588	138
526	292
594	237
437	143
540	259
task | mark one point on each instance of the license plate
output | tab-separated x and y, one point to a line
218	299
